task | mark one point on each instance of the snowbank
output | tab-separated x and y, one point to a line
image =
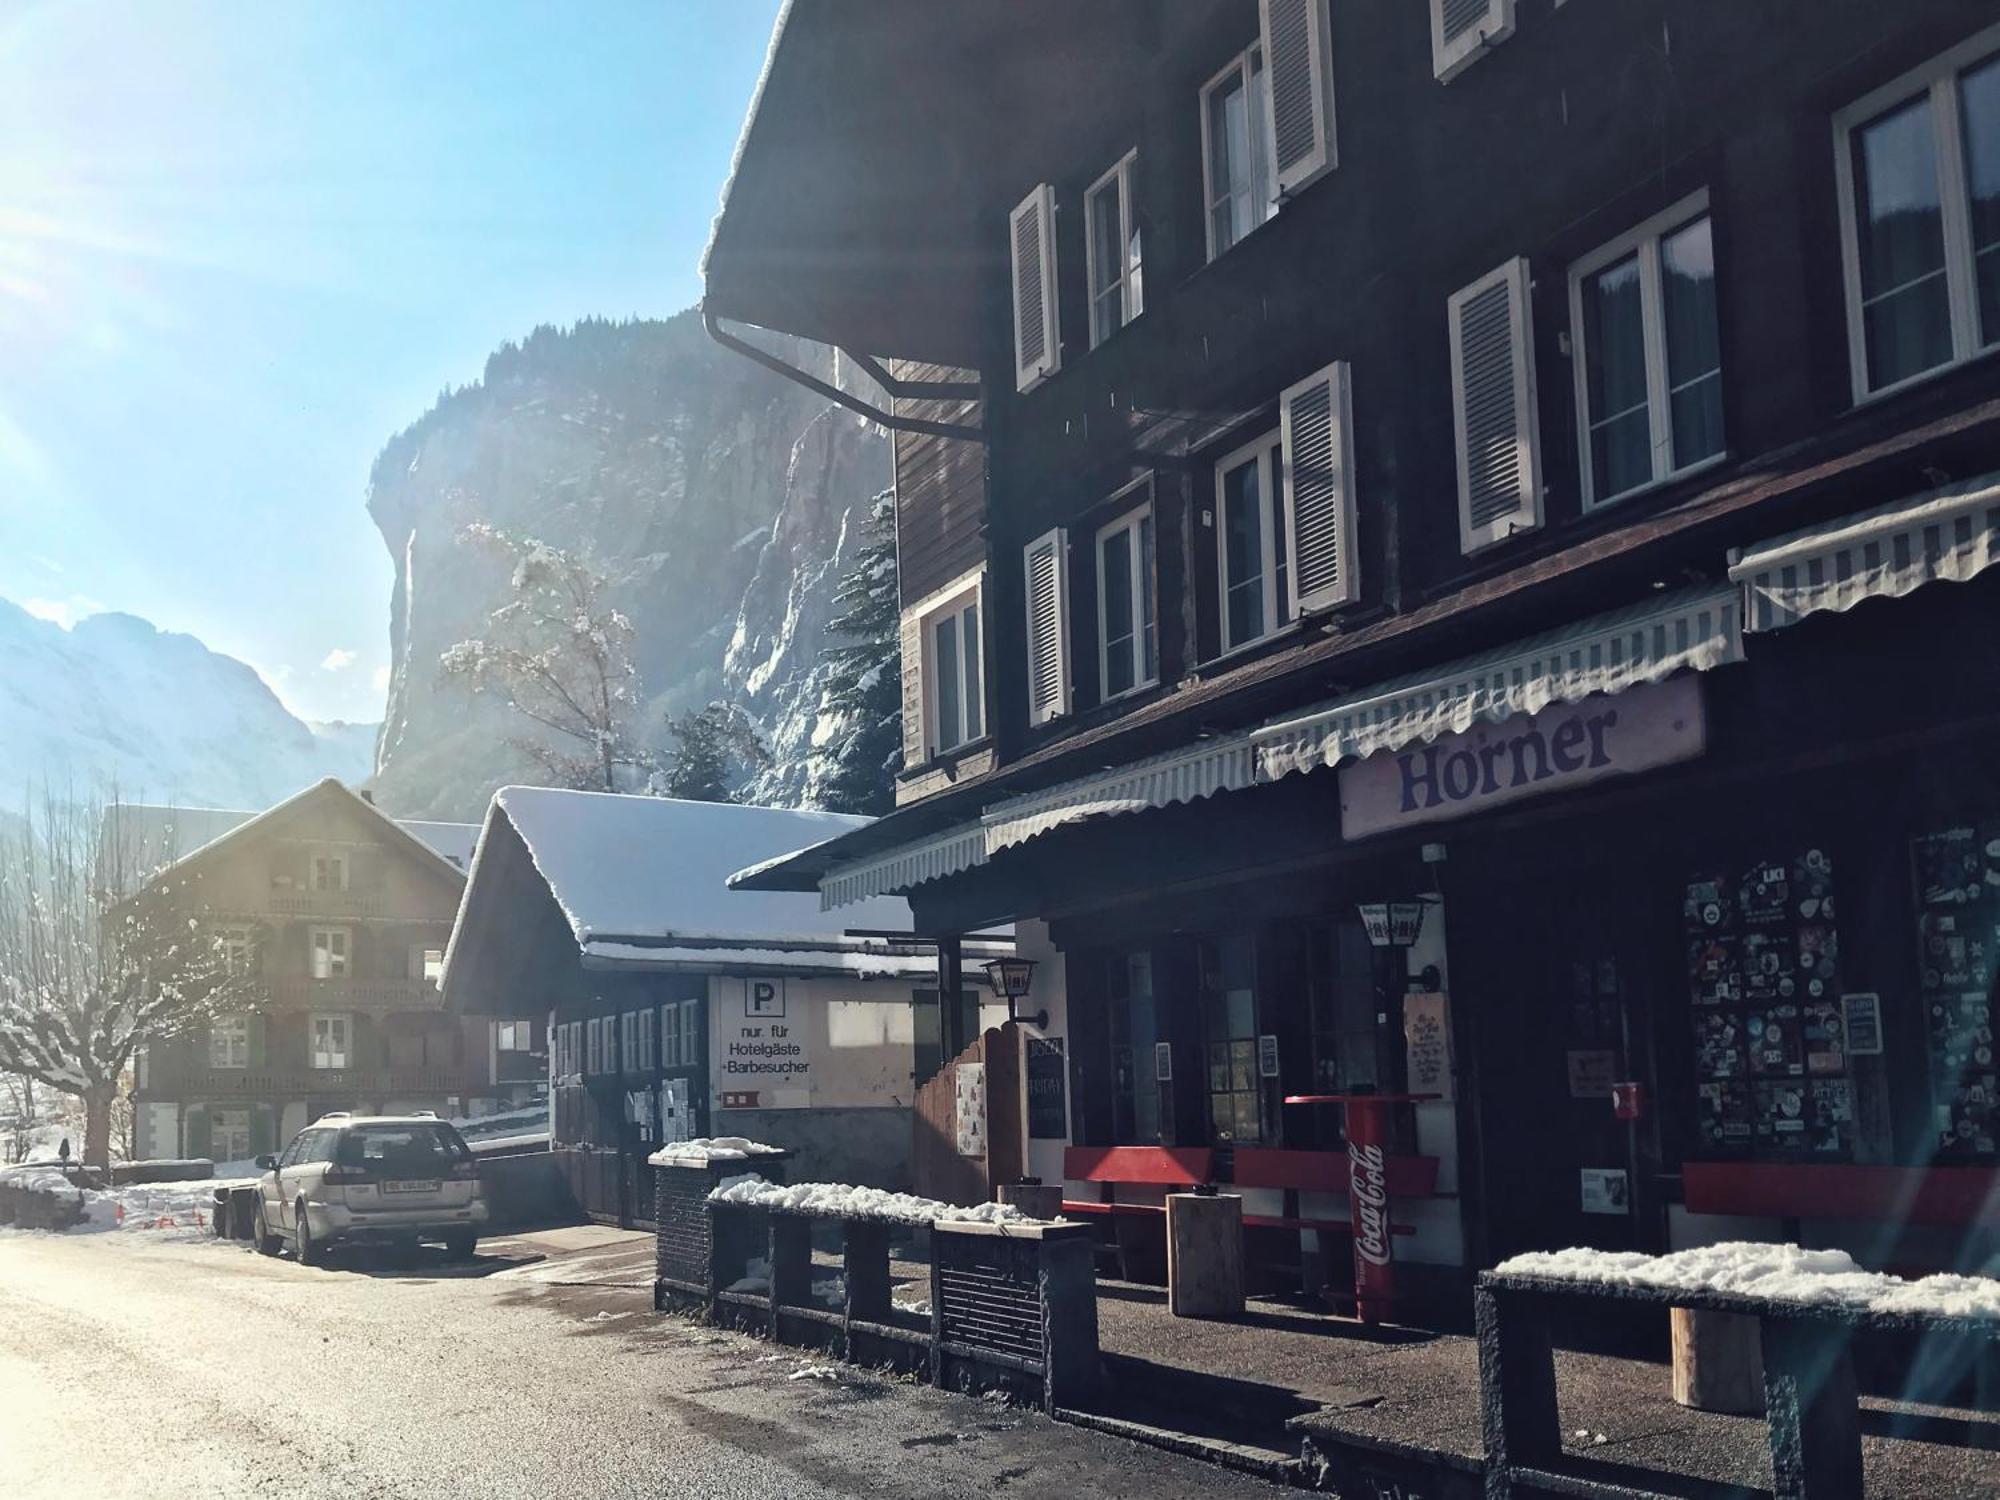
171	1209
1783	1273
702	1151
838	1200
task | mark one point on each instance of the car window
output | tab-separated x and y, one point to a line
402	1150
291	1155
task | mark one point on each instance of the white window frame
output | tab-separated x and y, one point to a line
330	1059
593	1036
219	1133
229	1043
1939	79
314	948
1267	451
1238	68
1644	239
336	862
1130	285
1138	564
237	947
968	593
1450	59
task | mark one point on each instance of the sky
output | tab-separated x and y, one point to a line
243	242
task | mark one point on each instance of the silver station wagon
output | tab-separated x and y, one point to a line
370	1179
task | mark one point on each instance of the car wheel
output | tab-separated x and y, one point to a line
267	1242
304	1245
460	1244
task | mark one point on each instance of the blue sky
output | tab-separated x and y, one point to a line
244	241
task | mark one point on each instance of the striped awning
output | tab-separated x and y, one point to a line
1222	763
1691	630
1950	533
889	874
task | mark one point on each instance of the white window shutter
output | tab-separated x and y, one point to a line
1298	62
1493	408
1045	575
1316	422
1037	328
1462	29
916	737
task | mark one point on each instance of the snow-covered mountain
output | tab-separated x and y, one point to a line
720	501
113	700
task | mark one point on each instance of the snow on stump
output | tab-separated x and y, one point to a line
1807	1304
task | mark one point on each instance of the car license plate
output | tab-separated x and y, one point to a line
409	1187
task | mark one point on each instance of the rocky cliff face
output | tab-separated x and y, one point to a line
719	500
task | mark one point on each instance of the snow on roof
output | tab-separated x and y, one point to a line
454	841
628	867
743	133
856	962
1783	1273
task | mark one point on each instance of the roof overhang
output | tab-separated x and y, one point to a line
866	205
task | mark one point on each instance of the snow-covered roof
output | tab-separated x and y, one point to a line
140	839
873	961
627	869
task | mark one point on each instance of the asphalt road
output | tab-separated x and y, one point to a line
137	1367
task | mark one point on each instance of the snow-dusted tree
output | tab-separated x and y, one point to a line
857	743
713	749
89	972
561	657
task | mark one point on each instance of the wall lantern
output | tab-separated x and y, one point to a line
1392	924
1010	978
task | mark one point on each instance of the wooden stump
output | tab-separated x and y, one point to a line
1204	1256
1718	1361
1038	1200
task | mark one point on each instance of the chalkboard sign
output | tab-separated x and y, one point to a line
1048	1118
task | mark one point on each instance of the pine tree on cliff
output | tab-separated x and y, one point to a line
858	743
562	658
714	748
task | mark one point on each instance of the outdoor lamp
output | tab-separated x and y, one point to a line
1391	924
1010	978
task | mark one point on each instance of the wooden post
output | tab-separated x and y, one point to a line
1718	1360
951	992
866	1256
1810	1402
791	1264
1517	1387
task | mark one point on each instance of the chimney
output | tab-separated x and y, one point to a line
367	796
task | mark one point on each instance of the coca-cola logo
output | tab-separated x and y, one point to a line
1368	1181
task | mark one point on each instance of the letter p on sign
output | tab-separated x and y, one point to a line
764	998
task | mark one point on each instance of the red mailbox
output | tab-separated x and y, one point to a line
1628	1100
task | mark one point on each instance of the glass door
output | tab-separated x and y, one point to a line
1134	1026
1228	970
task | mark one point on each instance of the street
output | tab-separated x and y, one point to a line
133	1366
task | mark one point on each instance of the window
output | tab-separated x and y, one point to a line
1127	631
229	1046
594	1045
514	1036
329	952
670	1035
1031	234
1134	1027
329	872
952	661
1239	184
229	1135
1228	978
1462	30
1111	252
1919	173
1250	543
1494	426
691	1055
1649	372
430	962
332	1041
237	947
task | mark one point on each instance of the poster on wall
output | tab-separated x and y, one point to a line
1048	1089
1592	1071
1956	873
969	1108
1770	1033
1605	1190
1427	1043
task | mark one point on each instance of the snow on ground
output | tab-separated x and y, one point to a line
705	1149
837	1200
174	1210
1784	1273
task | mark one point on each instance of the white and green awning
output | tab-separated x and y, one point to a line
1692	630
1951	533
1222	763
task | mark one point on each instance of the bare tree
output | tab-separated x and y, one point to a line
563	659
95	962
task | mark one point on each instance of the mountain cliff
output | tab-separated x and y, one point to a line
115	701
720	501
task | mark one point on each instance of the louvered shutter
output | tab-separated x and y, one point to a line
1493	408
1462	29
1317	425
1045	571
1037	329
916	745
1298	62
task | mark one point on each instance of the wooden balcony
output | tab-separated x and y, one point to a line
372	996
287	1083
292	901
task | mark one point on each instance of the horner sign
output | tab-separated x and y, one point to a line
1566	745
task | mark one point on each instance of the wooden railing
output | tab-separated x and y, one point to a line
353	993
291	902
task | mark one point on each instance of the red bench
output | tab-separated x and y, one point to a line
1175	1168
1293	1172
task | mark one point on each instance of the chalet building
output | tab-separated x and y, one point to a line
1445	551
343	913
678	1008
